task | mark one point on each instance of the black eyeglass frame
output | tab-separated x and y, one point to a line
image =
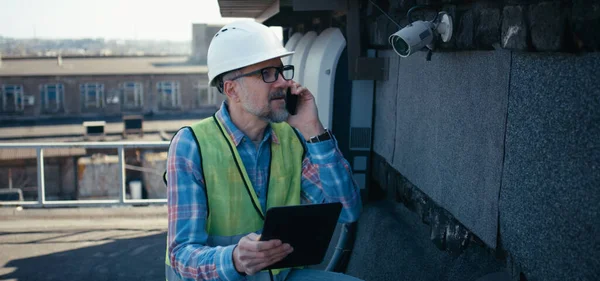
278	70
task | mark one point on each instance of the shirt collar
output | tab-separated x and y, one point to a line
236	134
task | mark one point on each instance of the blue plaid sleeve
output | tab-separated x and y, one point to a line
327	177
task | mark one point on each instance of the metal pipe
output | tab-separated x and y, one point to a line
19	203
122	175
339	249
40	176
142	169
344	246
144	201
71	203
10	184
126	144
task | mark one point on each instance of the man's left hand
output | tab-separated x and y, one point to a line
306	119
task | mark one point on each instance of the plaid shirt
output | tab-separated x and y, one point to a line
326	177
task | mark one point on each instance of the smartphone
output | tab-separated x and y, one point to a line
291	102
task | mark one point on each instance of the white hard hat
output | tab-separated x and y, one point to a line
240	44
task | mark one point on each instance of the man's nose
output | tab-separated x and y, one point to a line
282	83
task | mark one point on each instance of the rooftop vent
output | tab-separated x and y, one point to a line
11	194
94	129
133	124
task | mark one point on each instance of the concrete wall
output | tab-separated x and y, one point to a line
549	210
68	185
495	141
153	181
502	139
393	244
449	130
96	177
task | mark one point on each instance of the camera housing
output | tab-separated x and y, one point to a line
420	35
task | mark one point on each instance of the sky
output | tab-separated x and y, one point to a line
109	19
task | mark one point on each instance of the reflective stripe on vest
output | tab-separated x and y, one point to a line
233	206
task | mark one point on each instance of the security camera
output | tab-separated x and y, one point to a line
419	35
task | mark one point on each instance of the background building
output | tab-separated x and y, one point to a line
44	88
52	99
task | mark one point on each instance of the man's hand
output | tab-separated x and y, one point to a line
307	116
251	256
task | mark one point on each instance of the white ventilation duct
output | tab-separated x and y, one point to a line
320	69
301	54
291	46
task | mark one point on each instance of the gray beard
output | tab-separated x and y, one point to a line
268	114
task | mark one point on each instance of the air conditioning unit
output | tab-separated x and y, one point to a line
29	100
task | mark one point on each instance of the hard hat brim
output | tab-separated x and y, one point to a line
258	59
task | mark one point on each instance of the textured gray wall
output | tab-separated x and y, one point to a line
514	136
393	244
385	114
450	116
549	201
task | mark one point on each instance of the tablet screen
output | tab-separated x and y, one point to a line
307	228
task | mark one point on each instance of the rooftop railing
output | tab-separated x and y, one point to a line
120	146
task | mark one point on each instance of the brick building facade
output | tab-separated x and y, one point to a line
88	87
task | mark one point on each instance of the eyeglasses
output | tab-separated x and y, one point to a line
271	74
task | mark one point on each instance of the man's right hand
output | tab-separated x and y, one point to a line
251	255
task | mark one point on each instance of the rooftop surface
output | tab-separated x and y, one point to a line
11	134
113	243
120	243
128	243
99	66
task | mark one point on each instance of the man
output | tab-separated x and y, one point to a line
225	171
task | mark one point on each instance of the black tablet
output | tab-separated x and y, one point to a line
307	228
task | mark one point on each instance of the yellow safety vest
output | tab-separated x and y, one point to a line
233	207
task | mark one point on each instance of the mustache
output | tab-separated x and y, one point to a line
277	95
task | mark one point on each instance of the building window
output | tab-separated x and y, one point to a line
204	95
52	97
133	94
219	97
13	98
207	96
169	93
92	95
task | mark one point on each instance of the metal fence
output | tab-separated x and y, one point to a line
120	146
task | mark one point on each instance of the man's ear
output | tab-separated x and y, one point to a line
231	91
